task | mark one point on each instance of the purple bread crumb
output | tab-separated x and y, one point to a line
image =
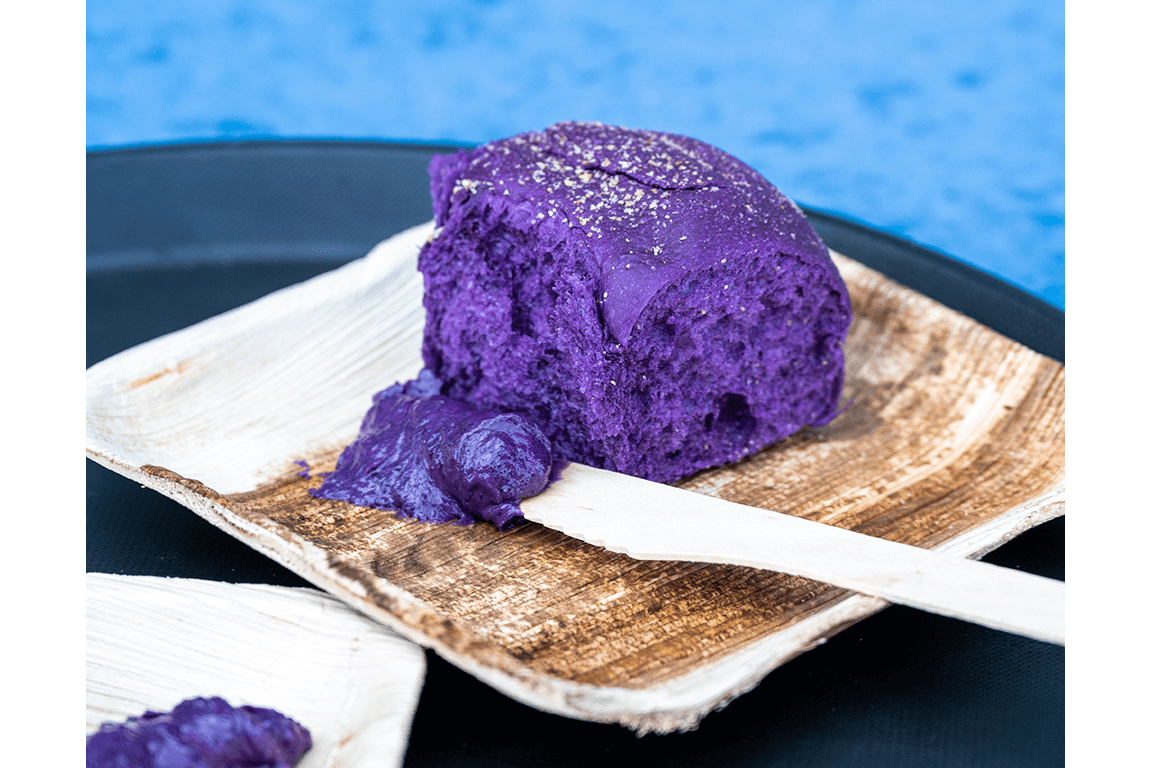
200	733
651	302
440	460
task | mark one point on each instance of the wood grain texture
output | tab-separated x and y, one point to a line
154	642
952	438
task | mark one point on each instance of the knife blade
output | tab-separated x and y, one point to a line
651	521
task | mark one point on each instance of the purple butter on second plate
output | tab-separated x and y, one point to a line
200	733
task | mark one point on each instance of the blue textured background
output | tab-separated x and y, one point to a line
940	122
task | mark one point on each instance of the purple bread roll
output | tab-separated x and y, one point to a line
653	303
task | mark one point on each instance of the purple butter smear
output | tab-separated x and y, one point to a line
441	460
200	733
652	303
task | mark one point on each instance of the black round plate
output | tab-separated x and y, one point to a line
179	233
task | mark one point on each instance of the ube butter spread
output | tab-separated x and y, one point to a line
200	733
441	460
651	303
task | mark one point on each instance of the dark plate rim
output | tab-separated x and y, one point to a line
988	299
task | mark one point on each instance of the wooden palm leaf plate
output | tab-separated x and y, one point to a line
154	642
954	440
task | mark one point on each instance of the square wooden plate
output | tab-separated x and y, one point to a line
953	439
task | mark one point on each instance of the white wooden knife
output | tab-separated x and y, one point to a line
651	521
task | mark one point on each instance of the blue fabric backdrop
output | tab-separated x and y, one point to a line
941	122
